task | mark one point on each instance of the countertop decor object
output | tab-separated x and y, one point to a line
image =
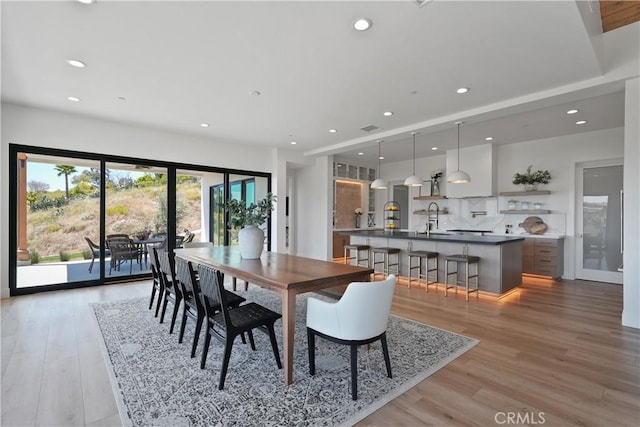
530	180
356	216
534	225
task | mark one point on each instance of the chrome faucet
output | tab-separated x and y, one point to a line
429	217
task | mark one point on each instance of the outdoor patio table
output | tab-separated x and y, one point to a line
144	245
288	275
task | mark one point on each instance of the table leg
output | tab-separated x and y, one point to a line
288	328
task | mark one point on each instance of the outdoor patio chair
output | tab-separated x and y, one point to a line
227	324
122	250
359	317
188	238
95	252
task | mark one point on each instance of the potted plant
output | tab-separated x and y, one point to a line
530	180
247	220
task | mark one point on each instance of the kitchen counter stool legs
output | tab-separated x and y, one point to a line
467	260
357	248
386	264
423	266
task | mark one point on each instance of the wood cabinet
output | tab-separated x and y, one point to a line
543	257
339	241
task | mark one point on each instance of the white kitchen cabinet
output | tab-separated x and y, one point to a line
480	162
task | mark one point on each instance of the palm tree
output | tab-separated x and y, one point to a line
65	170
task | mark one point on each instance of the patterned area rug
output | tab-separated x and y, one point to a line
160	385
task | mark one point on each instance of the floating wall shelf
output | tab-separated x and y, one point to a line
526	193
429	197
425	212
528	212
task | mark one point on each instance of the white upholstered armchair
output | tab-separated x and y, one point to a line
359	317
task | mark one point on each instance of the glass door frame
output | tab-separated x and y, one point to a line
581	272
171	167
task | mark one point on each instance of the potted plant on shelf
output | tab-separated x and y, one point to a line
247	219
530	180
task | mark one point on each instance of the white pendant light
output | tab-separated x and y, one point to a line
379	184
459	176
413	180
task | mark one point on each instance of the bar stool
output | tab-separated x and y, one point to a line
385	251
357	249
426	256
467	260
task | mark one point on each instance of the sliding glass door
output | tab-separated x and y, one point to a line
58	219
82	219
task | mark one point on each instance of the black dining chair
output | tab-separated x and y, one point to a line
157	285
194	303
172	291
228	323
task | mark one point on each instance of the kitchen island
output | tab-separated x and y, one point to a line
500	256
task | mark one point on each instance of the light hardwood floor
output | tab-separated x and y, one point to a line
552	354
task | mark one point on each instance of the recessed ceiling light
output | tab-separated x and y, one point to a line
85	1
489	138
361	154
581	122
73	98
204	125
572	111
294	142
388	113
333	130
362	24
76	63
462	90
381	157
434	148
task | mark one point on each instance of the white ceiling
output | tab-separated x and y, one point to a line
179	64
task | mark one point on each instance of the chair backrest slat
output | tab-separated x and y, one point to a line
212	288
168	270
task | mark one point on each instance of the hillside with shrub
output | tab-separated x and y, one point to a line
57	225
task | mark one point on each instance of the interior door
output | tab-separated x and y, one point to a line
599	221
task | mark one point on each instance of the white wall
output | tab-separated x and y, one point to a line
631	275
312	210
44	128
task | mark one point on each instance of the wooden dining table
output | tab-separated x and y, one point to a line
288	275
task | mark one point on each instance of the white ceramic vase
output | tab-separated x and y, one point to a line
251	241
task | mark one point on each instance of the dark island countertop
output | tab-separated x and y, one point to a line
436	237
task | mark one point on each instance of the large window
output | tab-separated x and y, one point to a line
83	219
